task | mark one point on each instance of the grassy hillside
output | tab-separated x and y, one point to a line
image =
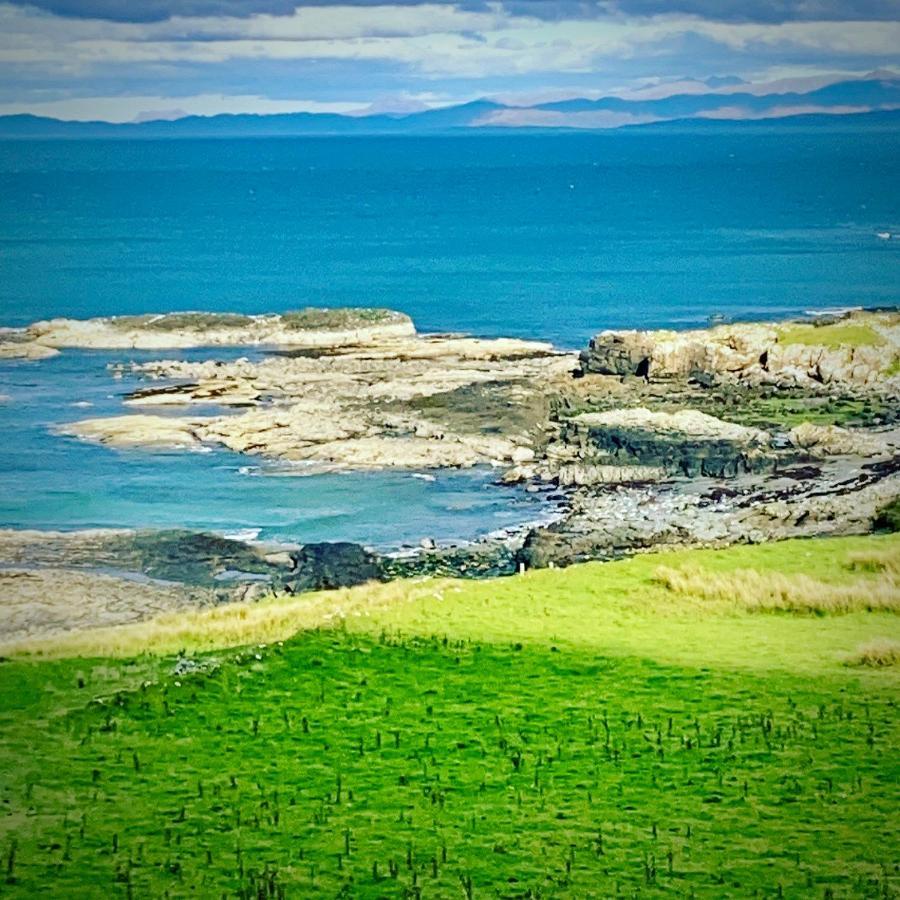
649	727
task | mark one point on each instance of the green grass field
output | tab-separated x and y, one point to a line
588	732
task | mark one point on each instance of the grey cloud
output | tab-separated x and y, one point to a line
144	11
769	11
761	11
158	10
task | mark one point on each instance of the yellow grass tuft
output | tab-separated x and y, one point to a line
755	591
876	654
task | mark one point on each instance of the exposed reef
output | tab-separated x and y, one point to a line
299	328
363	406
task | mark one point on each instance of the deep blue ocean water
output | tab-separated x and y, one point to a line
553	237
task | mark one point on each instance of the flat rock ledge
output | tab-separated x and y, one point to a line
399	402
301	328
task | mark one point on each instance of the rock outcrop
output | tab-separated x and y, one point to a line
858	350
181	556
48	601
832	440
327	566
149	432
842	497
16	343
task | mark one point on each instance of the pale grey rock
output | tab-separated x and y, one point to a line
755	353
335	410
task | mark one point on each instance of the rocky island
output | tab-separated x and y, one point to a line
742	432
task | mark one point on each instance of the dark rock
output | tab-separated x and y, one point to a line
888	517
561	545
626	353
800	473
196	558
487	559
332	565
677	454
717	495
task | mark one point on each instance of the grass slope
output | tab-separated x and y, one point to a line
579	733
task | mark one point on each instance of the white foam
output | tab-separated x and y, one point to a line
247	535
521	528
832	311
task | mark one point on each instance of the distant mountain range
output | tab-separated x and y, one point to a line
870	101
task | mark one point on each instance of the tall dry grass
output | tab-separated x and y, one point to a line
754	591
230	625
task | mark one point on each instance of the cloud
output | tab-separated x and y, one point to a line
144	11
433	40
761	11
771	12
361	52
158	10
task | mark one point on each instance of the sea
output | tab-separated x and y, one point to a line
547	236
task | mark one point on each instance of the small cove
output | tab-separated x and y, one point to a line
50	481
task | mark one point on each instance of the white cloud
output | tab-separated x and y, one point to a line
862	38
330	23
430	41
434	40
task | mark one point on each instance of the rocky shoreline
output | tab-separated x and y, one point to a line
738	433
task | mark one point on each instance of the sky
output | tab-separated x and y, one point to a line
127	60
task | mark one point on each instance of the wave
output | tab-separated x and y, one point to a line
832	311
247	535
520	529
285	469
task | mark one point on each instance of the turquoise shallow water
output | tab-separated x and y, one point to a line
539	236
51	481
